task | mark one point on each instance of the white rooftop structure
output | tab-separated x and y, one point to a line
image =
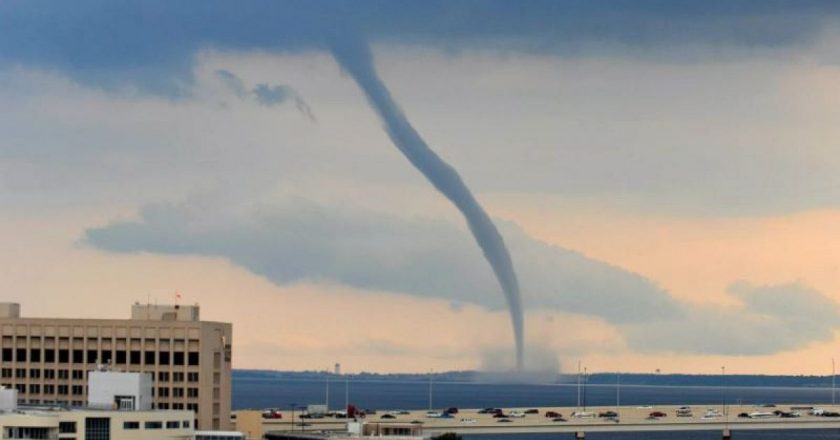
120	390
8	399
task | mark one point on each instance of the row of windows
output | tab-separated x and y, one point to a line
170	424
177	392
79	390
36	373
132	357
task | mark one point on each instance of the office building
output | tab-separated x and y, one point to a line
47	360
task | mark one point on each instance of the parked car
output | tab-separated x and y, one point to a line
416	422
272	414
517	413
553	414
830	414
452	410
532	411
743	416
608	414
657	414
387	416
487	411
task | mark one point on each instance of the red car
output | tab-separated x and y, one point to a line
658	414
553	414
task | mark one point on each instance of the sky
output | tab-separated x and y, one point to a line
664	174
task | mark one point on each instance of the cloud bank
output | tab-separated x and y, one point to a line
299	241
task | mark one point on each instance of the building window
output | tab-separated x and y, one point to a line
49	356
63	374
26	432
192	407
192	392
20	355
185	424
177	406
49	374
97	428
7	355
78	374
78	390
121	357
163	376
163	392
192	377
35	355
192	358
63	390
66	427
78	356
172	424
49	389
153	425
34	373
177	376
178	358
107	357
163	406
131	425
91	356
134	357
177	392
149	357
20	373
6	373
163	358
34	389
63	356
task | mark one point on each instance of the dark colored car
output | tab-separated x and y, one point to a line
504	420
532	411
553	414
416	422
657	414
558	419
499	415
387	416
608	414
743	416
452	410
831	414
487	411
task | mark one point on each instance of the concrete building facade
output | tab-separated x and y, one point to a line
47	360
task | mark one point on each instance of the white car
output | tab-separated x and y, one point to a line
517	414
583	414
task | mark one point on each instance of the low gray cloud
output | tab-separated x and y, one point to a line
297	241
300	241
769	320
267	95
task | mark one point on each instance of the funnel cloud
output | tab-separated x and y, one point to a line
355	57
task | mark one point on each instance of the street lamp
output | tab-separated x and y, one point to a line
292	421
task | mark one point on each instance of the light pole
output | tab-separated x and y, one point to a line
833	378
327	397
292	421
585	382
578	387
346	393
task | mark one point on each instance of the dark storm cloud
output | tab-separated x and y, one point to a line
150	44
